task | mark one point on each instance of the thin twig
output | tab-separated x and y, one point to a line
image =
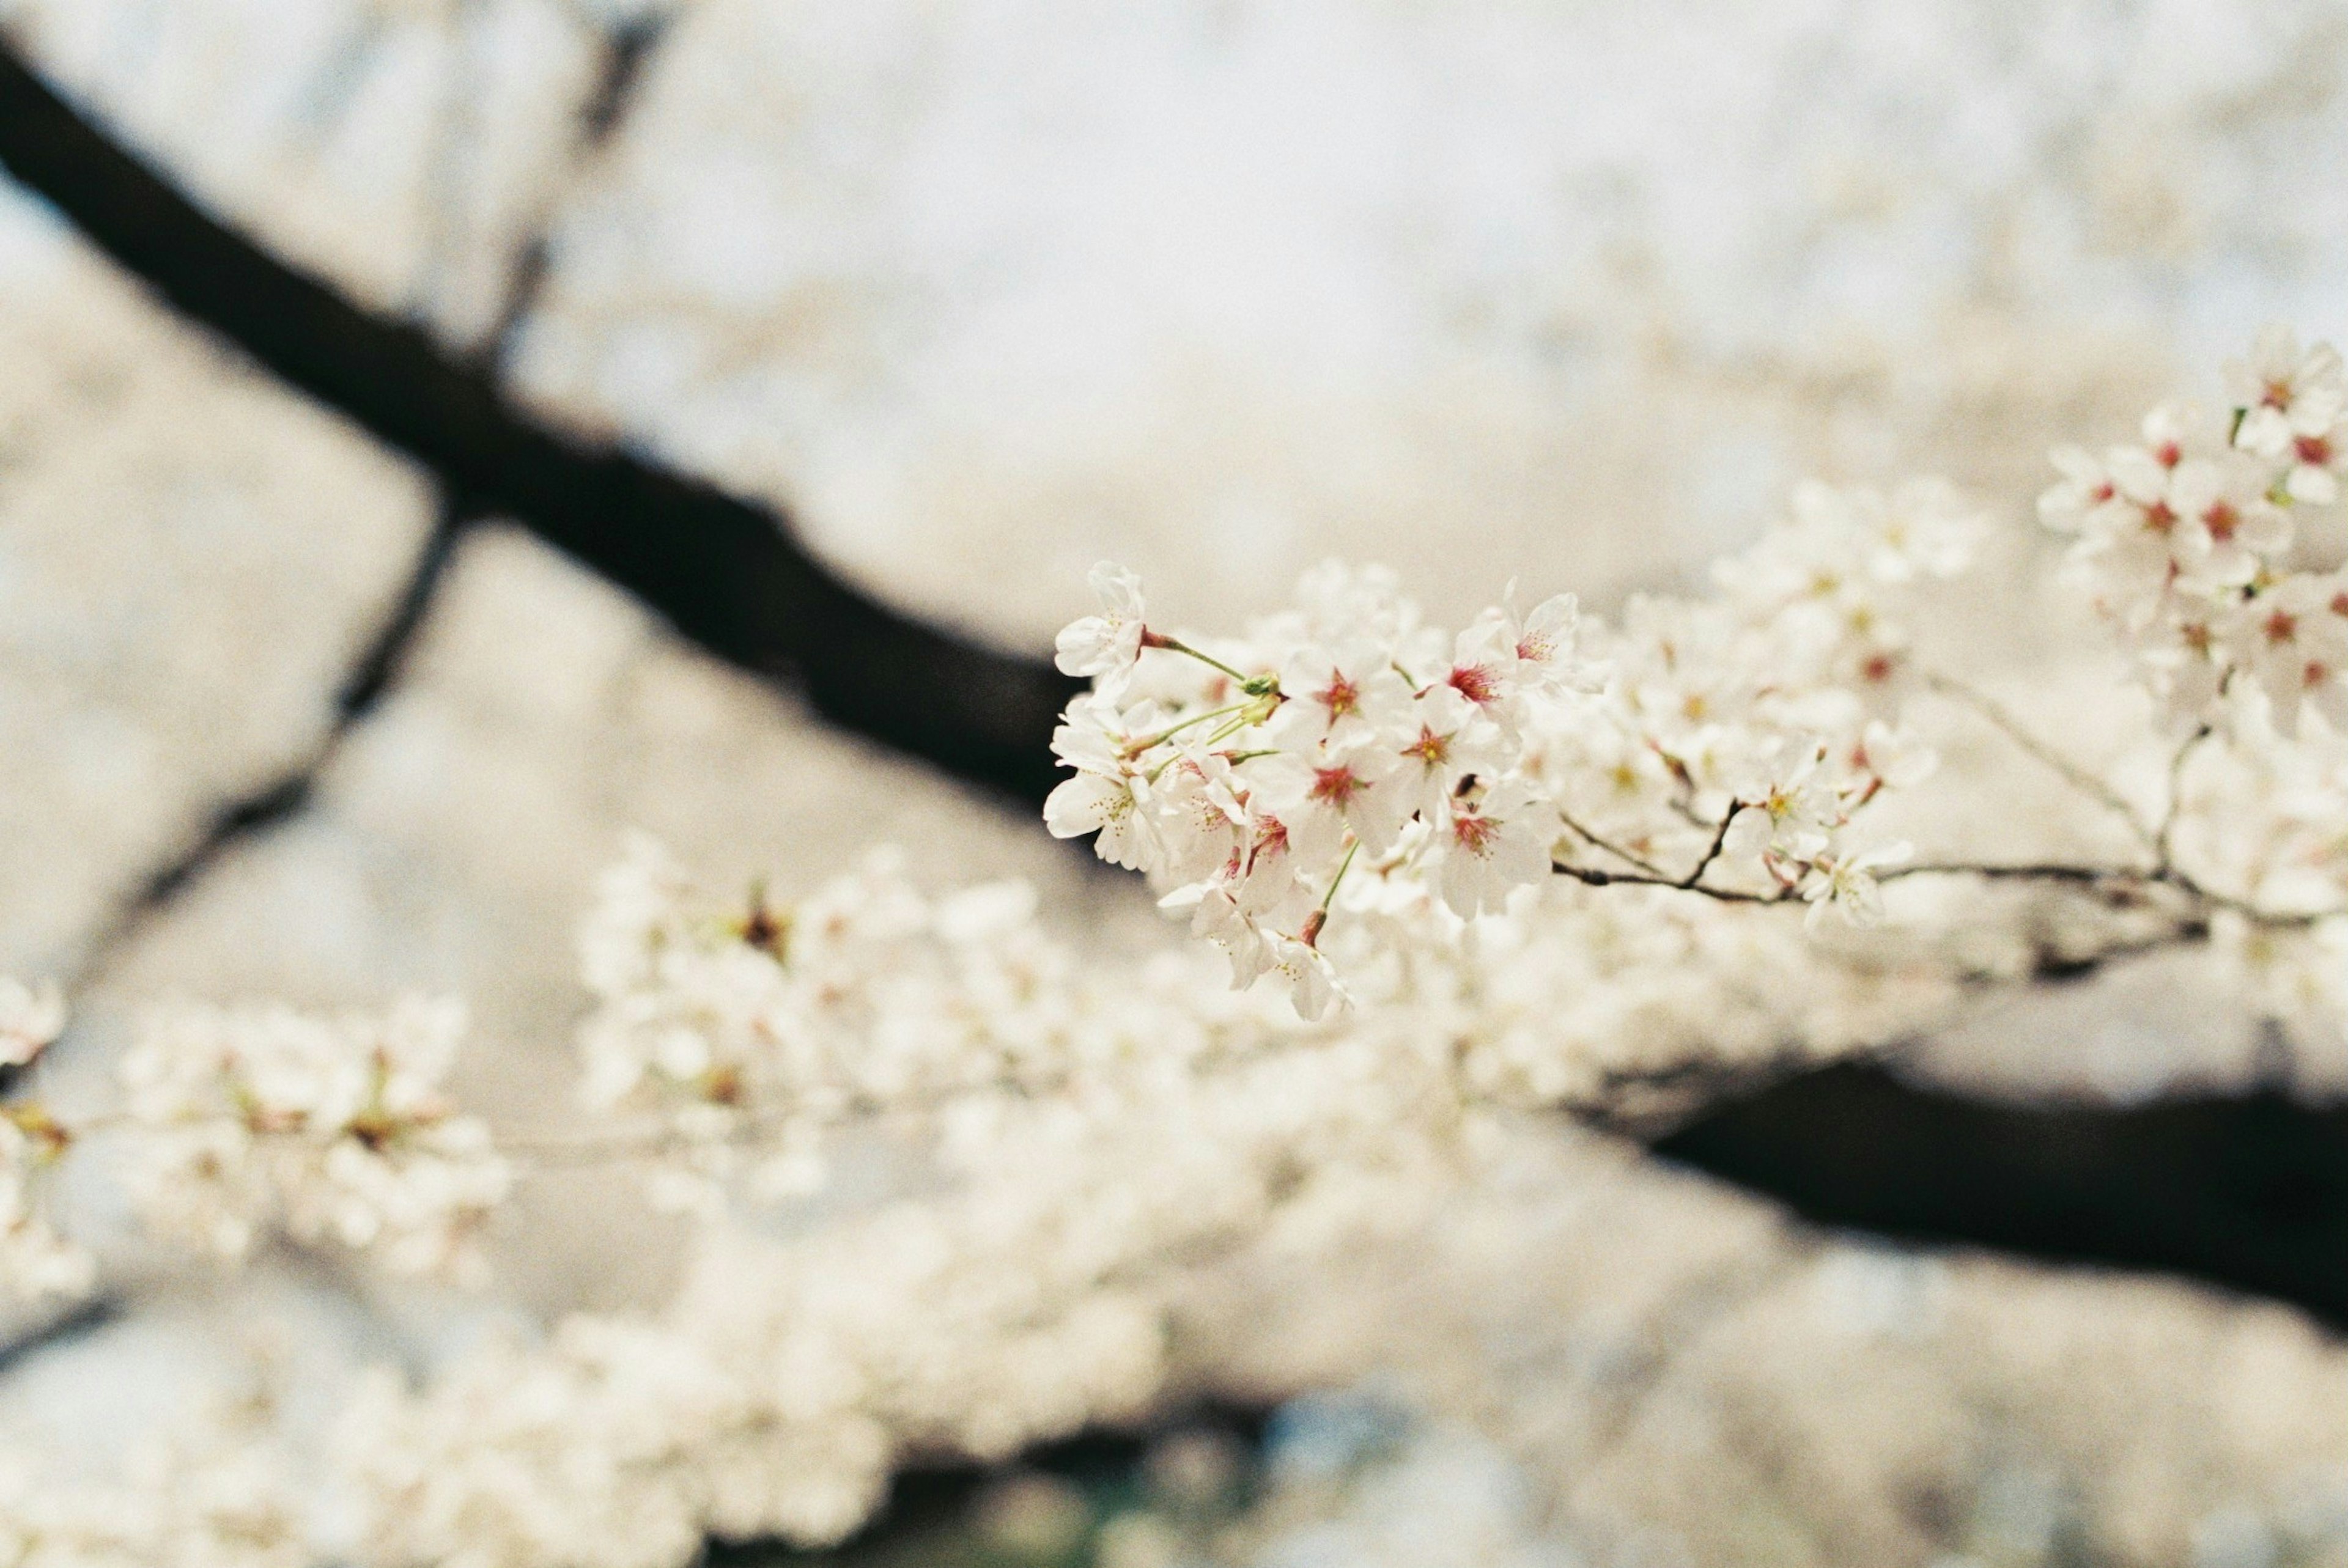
2161	839
2079	778
1612	848
1589	876
1719	841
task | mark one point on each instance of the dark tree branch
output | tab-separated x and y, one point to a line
277	799
2249	1193
726	573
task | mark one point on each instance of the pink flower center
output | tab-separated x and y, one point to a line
2158	517
2316	673
2221	520
2315	451
2283	625
1341	696
1475	683
1475	833
1337	786
1430	748
1271	838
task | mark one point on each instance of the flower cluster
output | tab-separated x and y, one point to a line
335	1130
1551	856
2186	540
2212	545
1346	747
35	1261
747	1033
216	1494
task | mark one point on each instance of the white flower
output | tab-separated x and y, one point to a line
1199	823
1847	883
1926	528
1312	985
1447	738
333	1129
1791	811
1110	793
2239	529
36	1261
2293	405
1107	643
31	1018
1484	666
1545	645
1218	916
1339	697
1323	794
2088	496
1485	848
1892	756
2292	638
2180	654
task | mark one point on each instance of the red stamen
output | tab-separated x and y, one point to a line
1475	683
1337	785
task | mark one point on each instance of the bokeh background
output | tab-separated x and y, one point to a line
977	293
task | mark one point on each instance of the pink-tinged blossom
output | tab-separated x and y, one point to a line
31	1018
1313	986
1339	697
1199	821
1446	738
2087	500
2237	529
1110	793
1109	643
2182	659
2136	552
1847	884
1484	668
1485	847
1323	794
2293	640
2293	406
1545	642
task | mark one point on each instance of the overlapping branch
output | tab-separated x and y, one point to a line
2253	1193
726	572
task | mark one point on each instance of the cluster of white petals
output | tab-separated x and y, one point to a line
336	1130
36	1261
2213	545
2187	539
218	1494
1551	861
746	1034
1281	781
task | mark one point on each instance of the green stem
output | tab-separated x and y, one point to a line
1135	748
1176	645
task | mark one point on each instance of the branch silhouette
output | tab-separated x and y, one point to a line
725	572
2248	1191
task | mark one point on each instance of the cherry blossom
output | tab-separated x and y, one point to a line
1106	644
